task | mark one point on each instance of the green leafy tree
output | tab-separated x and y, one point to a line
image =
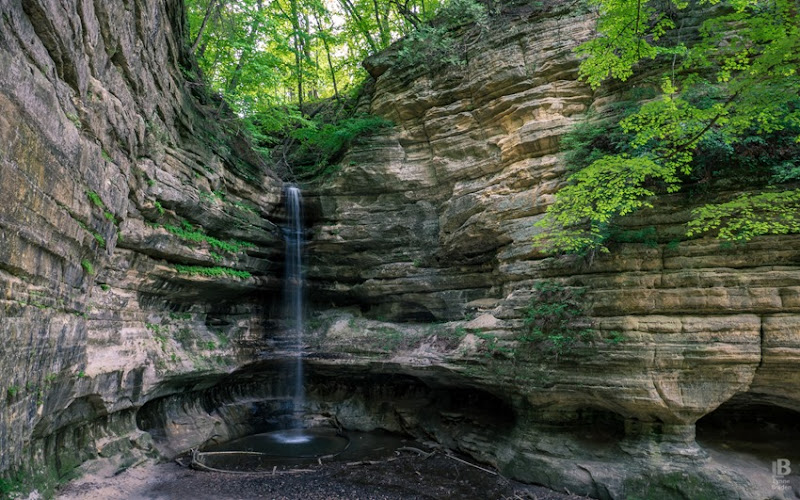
748	53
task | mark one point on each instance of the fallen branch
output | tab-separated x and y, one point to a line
417	451
203	467
471	464
371	462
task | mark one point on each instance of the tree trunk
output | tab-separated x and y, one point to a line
328	54
209	11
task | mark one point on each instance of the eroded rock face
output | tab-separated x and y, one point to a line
434	219
107	153
111	162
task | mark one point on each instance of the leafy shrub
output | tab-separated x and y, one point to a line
323	144
457	13
432	47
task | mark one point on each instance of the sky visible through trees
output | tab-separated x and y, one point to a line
262	53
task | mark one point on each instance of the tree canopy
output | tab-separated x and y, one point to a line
262	53
270	60
728	106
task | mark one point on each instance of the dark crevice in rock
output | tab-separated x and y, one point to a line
48	33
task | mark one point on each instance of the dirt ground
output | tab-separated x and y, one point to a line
401	475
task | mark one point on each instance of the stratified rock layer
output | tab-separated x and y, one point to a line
113	170
433	220
116	168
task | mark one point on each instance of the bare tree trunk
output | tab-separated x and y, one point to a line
328	54
346	5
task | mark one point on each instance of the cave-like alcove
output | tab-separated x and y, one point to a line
752	427
258	398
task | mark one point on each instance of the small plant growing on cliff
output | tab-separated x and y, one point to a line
87	266
556	318
187	232
95	199
99	239
75	120
216	271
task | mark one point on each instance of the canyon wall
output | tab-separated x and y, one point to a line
117	168
433	222
141	251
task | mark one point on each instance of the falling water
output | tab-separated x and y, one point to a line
293	292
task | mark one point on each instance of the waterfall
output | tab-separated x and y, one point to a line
293	287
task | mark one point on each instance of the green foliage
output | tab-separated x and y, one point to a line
625	32
261	54
212	271
432	46
9	487
611	186
12	391
732	94
750	215
95	199
75	120
323	144
87	266
189	233
100	239
156	328
556	318
458	13
159	208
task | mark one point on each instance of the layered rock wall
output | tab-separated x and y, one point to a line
433	220
117	168
109	148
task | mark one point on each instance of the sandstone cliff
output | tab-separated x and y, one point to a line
433	221
115	167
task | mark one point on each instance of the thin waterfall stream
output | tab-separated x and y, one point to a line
293	290
295	444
